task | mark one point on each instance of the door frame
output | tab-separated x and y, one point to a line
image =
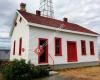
76	52
46	61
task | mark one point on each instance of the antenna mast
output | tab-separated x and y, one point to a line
46	8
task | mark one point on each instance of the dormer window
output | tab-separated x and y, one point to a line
20	19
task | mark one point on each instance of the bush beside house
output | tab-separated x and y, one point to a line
19	70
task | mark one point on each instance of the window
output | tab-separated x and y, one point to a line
58	47
83	47
15	24
20	46
91	47
20	19
14	45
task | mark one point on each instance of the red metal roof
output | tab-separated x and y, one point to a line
53	22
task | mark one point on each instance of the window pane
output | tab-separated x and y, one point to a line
58	46
83	47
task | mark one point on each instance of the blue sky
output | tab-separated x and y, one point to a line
83	12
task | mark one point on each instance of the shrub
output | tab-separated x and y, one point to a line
19	70
39	72
3	64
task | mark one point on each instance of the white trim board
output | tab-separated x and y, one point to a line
63	30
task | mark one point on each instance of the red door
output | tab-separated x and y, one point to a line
72	51
43	58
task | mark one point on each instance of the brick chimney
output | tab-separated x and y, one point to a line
38	13
65	19
23	7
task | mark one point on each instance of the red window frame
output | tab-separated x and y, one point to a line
14	46
58	46
46	50
83	47
92	48
20	46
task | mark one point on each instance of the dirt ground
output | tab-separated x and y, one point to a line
1	77
89	73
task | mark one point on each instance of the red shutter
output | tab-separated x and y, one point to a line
14	45
20	46
83	47
91	47
58	47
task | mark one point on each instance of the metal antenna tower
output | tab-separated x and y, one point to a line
46	8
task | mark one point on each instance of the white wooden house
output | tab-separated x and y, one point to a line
64	44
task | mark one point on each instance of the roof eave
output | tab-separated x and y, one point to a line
63	30
17	13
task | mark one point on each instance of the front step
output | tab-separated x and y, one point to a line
48	67
53	73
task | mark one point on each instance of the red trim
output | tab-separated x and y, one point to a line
60	50
14	45
46	50
83	47
71	51
91	47
20	46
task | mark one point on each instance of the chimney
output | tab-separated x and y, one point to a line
65	19
38	13
23	7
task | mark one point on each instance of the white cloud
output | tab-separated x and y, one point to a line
4	31
83	12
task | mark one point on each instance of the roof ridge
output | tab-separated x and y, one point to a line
41	16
